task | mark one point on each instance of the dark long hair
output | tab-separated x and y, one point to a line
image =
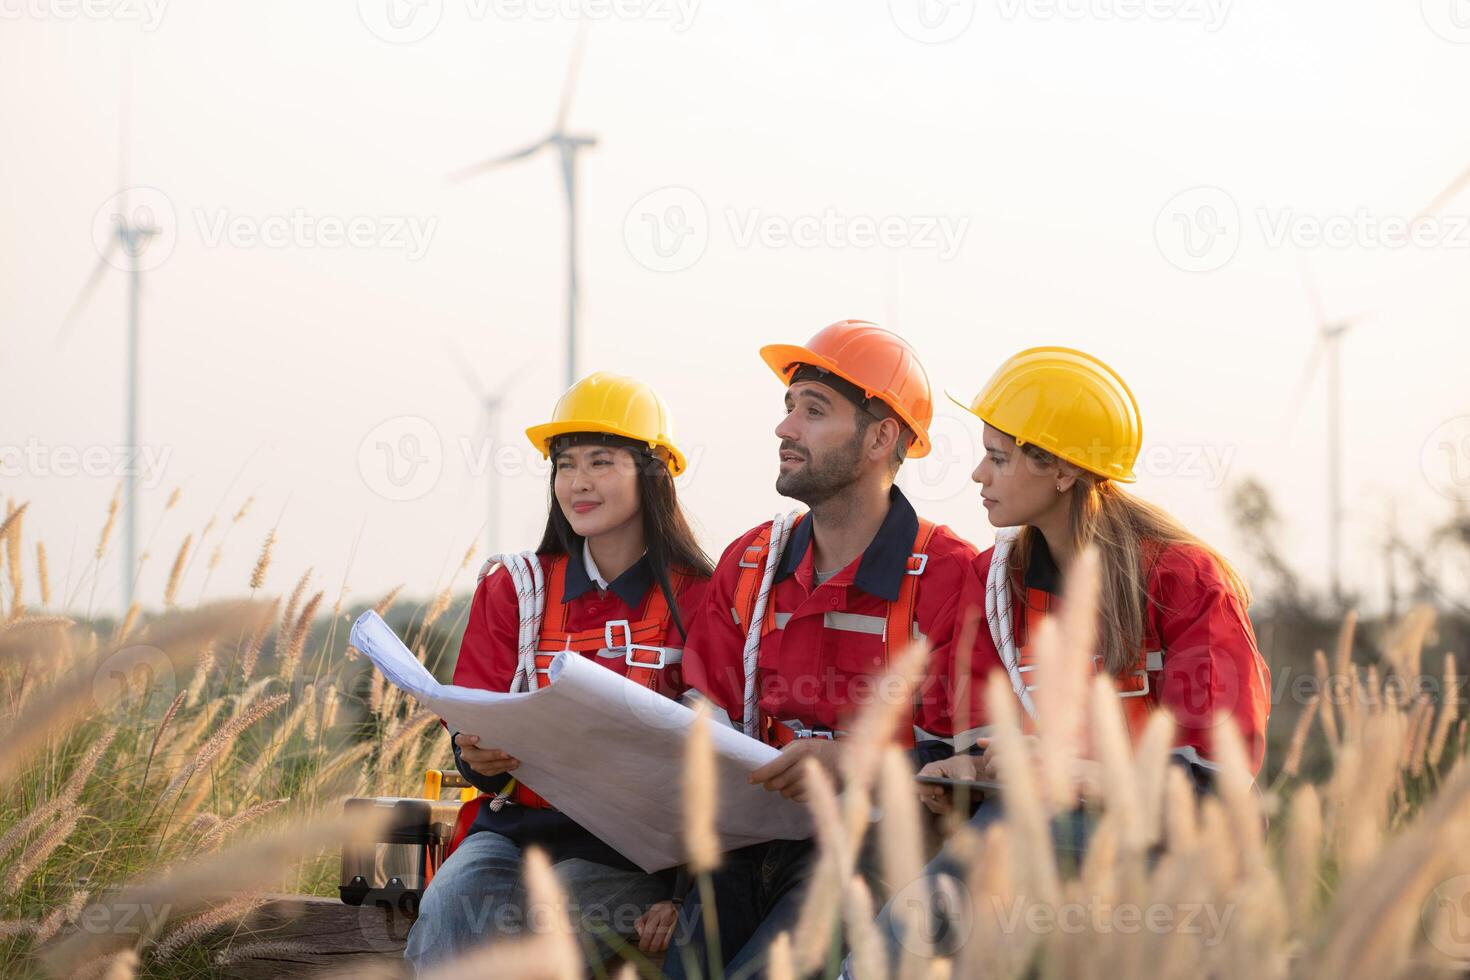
667	536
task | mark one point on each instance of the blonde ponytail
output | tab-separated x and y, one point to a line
1123	528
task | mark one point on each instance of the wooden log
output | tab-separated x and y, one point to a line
309	934
295	936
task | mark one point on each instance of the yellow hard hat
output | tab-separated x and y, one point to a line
616	405
1068	403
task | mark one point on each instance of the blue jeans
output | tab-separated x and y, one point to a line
758	892
478	896
940	899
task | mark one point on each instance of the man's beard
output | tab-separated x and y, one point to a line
820	479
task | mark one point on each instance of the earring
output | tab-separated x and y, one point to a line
1059	488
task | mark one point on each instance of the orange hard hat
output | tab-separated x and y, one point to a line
882	364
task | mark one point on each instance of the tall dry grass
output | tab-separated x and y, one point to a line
165	770
162	772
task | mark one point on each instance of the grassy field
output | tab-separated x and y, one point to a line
165	772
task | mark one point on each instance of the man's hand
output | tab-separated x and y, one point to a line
786	775
656	927
486	762
940	799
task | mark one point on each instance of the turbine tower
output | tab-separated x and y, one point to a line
1328	348
130	233
491	401
567	146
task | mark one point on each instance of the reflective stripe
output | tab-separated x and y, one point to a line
1154	660
692	699
799	730
671	655
922	736
967	739
782	619
960	742
735	615
855	623
1191	755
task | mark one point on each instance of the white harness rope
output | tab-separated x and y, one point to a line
525	573
781	527
998	612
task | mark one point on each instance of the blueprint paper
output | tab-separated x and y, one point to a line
605	751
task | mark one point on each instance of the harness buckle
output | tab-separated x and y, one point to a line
798	730
607	634
751	558
923	563
1137	694
631	659
1097	663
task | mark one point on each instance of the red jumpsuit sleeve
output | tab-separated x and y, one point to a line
946	704
691	607
714	654
1212	666
488	651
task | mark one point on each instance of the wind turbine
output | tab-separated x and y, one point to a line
491	401
1448	194
131	233
1328	348
567	146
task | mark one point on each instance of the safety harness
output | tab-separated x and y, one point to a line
753	609
1137	689
544	634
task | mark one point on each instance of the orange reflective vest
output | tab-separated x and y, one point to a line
640	644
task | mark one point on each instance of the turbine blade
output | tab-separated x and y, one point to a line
569	84
1304	385
508	381
124	126
491	164
88	288
1448	194
1314	296
461	361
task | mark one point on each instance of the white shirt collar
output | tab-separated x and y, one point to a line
593	574
591	566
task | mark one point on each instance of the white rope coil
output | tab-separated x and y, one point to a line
524	569
781	527
998	612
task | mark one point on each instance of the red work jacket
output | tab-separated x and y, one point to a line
823	660
1201	658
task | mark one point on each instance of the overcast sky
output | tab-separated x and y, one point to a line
1144	179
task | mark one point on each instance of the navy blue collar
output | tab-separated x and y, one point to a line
886	559
632	586
1041	568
